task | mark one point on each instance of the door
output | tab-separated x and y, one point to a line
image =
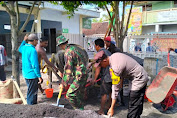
53	40
46	33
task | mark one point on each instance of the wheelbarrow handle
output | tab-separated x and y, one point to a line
168	58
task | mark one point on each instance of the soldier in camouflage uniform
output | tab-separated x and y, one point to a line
75	70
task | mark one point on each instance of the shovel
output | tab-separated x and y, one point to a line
58	99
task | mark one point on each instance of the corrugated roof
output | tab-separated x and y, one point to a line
97	28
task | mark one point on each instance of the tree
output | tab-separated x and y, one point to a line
105	17
12	8
102	19
119	30
94	20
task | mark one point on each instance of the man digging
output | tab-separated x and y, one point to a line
106	82
126	67
74	69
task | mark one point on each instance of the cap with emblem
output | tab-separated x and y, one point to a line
61	39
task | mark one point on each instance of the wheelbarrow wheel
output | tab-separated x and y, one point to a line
168	102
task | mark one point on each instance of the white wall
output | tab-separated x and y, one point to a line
169	28
148	29
71	24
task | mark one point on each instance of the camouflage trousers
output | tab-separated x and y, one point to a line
75	92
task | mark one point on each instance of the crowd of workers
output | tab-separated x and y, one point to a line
111	65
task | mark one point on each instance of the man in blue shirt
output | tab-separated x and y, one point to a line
172	49
138	47
30	67
149	48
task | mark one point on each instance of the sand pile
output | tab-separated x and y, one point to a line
43	110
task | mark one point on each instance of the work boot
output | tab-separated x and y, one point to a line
82	108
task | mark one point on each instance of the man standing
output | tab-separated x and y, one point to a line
75	70
110	46
41	52
149	48
42	55
138	47
30	67
126	67
3	62
106	82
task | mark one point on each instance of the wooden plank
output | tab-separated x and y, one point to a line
20	93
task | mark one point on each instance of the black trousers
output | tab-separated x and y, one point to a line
136	100
2	73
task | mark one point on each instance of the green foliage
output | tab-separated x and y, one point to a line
102	19
54	2
105	17
2	3
94	20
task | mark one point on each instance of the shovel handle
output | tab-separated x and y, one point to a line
59	95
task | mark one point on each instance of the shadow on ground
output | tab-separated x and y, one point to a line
170	110
156	115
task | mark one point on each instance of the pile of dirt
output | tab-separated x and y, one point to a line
43	110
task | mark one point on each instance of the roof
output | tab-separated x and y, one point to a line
46	5
141	3
97	28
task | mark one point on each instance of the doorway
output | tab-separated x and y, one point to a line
53	40
51	35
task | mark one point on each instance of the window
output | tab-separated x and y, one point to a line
147	7
175	4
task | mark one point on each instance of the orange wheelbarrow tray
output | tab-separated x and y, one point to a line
163	85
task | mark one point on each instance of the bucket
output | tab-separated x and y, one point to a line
149	100
49	92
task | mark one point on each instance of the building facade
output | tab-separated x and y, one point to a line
52	21
158	18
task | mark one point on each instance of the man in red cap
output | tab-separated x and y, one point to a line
126	67
110	46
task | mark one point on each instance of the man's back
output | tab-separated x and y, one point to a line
40	51
74	58
113	48
30	64
127	67
149	49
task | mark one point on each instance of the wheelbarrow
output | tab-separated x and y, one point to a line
162	89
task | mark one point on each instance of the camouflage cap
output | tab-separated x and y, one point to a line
61	39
